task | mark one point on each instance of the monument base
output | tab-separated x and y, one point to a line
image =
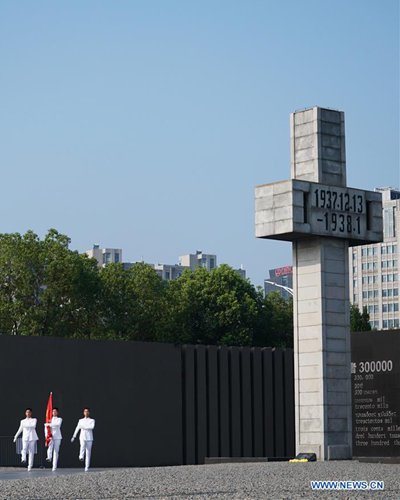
339	452
309	448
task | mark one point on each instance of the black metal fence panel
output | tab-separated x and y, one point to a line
243	402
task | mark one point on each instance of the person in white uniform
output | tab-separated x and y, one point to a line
85	426
55	442
29	437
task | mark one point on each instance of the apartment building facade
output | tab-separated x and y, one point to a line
199	259
374	269
105	256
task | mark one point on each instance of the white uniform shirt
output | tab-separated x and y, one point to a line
28	429
55	426
86	426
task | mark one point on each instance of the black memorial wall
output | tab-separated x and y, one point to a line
376	393
154	404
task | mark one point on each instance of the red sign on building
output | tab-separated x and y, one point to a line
282	271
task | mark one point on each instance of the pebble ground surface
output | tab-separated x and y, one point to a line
278	480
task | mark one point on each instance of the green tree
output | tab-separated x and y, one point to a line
21	280
45	288
359	321
276	328
133	302
71	297
149	311
216	307
118	302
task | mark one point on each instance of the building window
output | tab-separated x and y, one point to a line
364	252
370	280
373	309
391	307
369	266
388	263
390	323
116	257
106	258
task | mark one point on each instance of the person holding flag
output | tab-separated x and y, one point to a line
85	426
52	431
29	437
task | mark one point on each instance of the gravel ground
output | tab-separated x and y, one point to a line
225	481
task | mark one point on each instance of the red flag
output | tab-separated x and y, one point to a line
49	416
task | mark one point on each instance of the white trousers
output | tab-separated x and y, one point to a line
85	452
28	447
53	451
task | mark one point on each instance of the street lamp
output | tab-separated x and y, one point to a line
286	288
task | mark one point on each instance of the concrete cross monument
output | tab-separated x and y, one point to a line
322	217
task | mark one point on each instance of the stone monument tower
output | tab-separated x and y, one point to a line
322	217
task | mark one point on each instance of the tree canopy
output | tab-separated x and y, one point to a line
359	321
48	289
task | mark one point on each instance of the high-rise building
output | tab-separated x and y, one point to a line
199	259
280	280
105	256
374	269
169	272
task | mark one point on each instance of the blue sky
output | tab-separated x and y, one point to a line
145	125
